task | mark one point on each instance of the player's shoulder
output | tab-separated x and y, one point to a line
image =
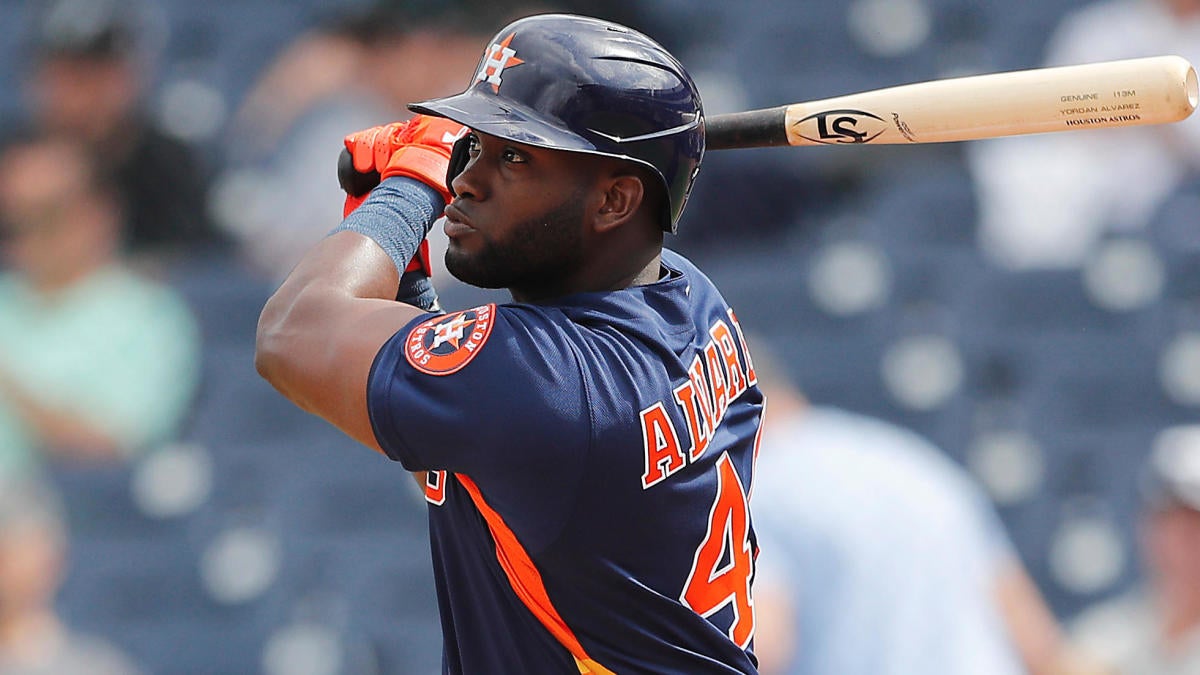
444	344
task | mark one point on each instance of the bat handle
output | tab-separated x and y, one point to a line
354	182
750	129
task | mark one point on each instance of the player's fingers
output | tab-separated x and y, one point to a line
361	150
389	139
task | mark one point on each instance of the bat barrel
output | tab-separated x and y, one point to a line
1154	90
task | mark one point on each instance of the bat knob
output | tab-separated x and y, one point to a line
354	182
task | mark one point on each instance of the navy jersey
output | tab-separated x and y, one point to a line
590	462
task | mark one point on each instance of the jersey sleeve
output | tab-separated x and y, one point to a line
494	389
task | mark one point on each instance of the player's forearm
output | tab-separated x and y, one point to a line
343	277
318	335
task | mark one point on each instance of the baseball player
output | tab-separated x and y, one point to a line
587	450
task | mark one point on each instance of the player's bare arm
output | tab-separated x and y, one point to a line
320	332
318	335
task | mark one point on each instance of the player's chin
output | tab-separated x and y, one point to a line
470	267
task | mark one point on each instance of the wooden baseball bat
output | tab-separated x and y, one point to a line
1131	92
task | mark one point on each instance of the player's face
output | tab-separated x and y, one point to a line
519	218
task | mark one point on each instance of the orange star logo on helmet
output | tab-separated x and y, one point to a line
497	57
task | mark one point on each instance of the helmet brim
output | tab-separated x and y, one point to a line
491	115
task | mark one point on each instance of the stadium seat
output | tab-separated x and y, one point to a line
770	291
931	210
185	645
227	44
1094	381
12	53
931	276
998	309
235	405
1173	232
133	582
224	295
769	40
356	495
1018	32
99	505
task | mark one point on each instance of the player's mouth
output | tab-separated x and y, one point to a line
457	224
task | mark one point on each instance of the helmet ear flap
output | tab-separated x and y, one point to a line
459	156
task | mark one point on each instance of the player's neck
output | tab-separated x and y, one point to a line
629	256
650	273
647	273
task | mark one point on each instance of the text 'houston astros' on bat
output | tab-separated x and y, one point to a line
1131	92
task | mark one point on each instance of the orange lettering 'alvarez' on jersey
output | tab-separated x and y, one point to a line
716	377
663	456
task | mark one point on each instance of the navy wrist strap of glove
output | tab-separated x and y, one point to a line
416	289
397	216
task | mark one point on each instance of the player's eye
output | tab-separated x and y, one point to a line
513	156
472	144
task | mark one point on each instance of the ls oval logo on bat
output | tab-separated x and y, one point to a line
840	126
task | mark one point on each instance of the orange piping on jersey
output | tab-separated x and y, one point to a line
526	581
590	667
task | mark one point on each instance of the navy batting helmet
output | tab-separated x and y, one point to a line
585	85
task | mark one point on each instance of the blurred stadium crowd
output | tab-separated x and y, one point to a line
1029	306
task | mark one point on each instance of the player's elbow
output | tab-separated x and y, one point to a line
271	355
265	358
287	345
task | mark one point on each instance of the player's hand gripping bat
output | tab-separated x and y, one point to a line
1131	92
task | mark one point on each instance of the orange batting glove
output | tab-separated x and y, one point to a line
419	148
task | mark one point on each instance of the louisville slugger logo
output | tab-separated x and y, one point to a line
833	127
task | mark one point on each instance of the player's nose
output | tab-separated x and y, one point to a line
468	184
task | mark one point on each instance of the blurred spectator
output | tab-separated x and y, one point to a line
880	556
95	362
355	71
86	81
1155	629
1045	200
33	639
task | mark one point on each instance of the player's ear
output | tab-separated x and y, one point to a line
622	196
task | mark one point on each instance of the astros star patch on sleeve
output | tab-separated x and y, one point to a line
446	344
